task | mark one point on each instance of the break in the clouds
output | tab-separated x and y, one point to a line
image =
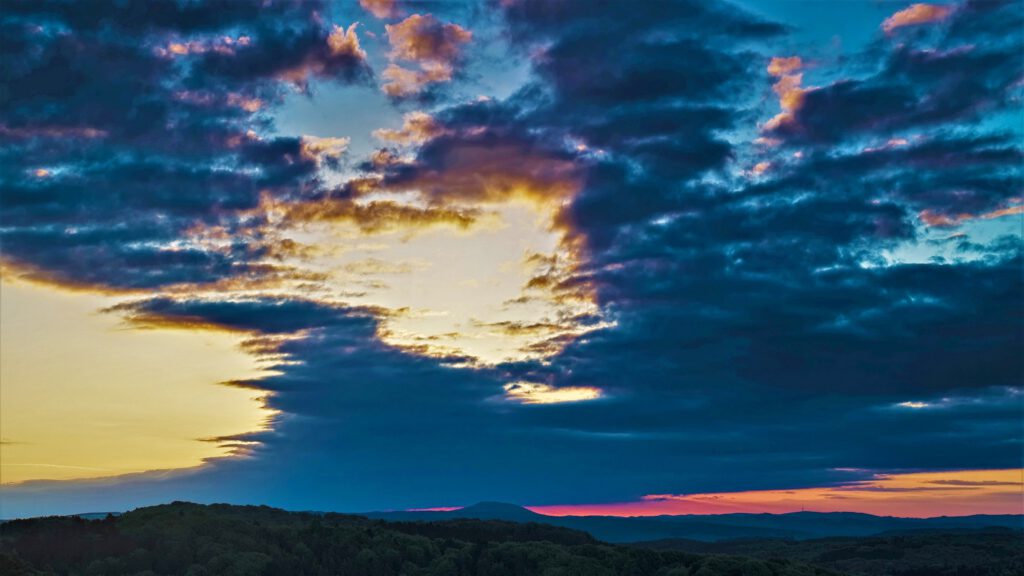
777	269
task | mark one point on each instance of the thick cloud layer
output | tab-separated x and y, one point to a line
759	334
127	124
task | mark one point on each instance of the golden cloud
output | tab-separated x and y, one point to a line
417	127
376	216
315	148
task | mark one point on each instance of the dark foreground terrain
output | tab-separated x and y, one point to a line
191	539
182	538
988	552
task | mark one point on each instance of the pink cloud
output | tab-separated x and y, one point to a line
915	15
940	220
434	47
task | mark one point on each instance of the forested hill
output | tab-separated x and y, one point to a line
194	540
984	552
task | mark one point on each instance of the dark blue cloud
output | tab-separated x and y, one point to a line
968	72
127	124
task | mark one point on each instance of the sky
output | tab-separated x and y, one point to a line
674	257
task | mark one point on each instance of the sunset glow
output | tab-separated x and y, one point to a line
918	495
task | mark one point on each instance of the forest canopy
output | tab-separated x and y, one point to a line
195	540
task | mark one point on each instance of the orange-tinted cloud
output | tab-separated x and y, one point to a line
318	149
915	15
486	172
207	99
378	216
434	47
920	494
141	319
761	168
383	158
939	220
223	45
780	66
1012	210
402	82
423	38
379	8
417	127
246	103
344	41
788	88
342	45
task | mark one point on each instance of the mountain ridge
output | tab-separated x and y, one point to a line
714	527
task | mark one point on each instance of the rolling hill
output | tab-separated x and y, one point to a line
196	540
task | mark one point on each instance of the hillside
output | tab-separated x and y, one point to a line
988	552
195	540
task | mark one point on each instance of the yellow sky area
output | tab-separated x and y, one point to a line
919	494
83	396
461	289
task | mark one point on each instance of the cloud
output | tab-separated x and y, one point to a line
379	8
907	495
403	82
788	88
320	150
147	123
918	87
937	219
533	393
259	315
434	47
781	66
915	15
761	327
471	164
294	56
423	38
135	146
375	216
417	128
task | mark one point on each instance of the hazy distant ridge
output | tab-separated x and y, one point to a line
716	527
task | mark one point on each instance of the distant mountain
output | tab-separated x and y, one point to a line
478	511
715	527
